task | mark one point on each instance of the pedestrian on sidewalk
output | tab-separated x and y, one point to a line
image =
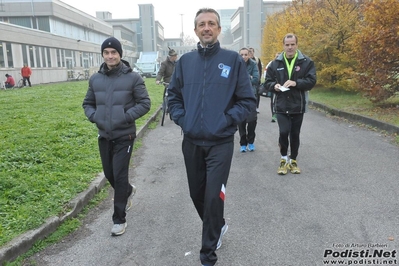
209	95
167	67
260	66
274	119
116	97
247	128
26	72
290	76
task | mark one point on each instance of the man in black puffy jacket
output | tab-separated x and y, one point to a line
116	97
290	76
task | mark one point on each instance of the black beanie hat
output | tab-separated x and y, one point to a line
112	42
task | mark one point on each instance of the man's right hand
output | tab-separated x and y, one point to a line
157	82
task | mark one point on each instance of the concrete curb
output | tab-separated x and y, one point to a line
358	118
24	242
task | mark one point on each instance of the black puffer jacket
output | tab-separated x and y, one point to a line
115	99
304	74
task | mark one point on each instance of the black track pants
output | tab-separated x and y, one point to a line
207	173
247	132
115	158
290	128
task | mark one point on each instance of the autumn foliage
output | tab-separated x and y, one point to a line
377	50
355	44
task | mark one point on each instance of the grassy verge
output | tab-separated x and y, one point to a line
355	103
63	230
48	152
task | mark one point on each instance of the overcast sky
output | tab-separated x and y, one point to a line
167	12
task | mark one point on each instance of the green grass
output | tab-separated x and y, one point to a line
63	230
48	152
354	103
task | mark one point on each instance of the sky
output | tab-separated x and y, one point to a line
167	12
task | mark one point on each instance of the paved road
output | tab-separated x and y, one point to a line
345	199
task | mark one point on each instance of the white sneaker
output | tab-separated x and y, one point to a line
118	229
223	231
129	203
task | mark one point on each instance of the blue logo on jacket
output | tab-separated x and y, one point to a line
225	70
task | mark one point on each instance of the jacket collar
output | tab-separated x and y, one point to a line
209	49
300	56
123	67
170	61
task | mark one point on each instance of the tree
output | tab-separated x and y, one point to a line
189	41
276	27
354	43
377	50
329	25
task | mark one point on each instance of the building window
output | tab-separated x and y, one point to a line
43	23
34	24
59	58
24	22
69	59
85	60
48	56
25	54
2	62
38	51
68	53
32	56
69	63
9	55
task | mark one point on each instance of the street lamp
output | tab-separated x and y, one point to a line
182	33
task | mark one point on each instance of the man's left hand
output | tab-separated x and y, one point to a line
289	83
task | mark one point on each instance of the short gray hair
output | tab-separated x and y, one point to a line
206	10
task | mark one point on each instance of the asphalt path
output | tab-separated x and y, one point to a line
343	206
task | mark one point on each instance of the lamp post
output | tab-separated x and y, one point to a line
182	33
33	8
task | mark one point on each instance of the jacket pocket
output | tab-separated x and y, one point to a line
118	118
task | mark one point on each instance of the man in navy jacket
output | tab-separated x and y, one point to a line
210	93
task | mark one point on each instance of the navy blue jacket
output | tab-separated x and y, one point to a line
209	94
293	101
